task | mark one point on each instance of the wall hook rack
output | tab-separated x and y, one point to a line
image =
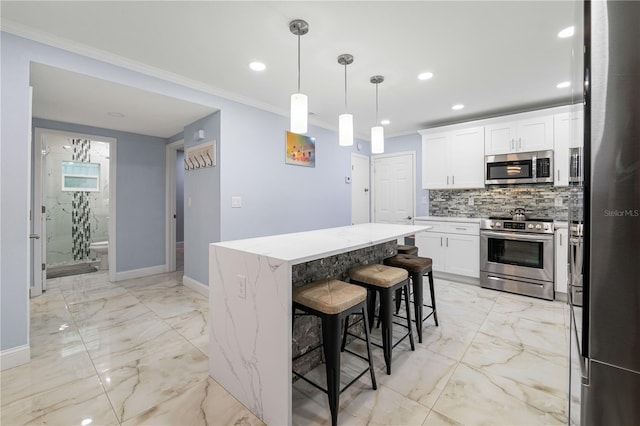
200	156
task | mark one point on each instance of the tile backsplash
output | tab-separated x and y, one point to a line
539	201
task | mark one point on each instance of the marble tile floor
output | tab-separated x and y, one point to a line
135	352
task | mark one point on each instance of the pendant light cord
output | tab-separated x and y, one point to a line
298	63
345	87
376	104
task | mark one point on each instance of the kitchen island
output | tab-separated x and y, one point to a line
250	284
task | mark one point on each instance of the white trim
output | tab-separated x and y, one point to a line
139	273
170	204
24	31
373	180
195	285
41	131
14	357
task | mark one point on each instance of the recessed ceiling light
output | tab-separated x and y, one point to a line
567	32
457	107
385	122
257	66
86	422
425	75
116	114
563	84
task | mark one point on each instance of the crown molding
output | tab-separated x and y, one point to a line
48	39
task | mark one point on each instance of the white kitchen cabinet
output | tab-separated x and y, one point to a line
453	159
521	135
567	133
561	250
455	251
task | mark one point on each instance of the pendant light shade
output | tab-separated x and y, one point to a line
345	130
299	102
299	113
377	140
345	121
377	131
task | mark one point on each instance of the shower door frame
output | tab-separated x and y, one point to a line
39	283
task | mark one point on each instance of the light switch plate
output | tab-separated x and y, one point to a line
472	202
558	201
236	201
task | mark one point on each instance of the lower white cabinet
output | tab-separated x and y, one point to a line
562	258
454	247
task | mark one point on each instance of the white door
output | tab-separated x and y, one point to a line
359	189
394	188
38	223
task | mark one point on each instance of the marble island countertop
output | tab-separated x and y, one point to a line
302	247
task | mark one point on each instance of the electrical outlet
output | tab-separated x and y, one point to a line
471	201
242	287
236	201
558	201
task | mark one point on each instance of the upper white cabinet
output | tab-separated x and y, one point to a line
521	135
453	159
568	133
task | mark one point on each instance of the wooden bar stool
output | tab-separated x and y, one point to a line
384	280
406	249
333	301
417	267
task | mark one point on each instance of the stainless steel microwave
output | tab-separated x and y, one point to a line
522	167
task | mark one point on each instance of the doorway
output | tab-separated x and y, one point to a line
394	188
73	205
360	195
174	237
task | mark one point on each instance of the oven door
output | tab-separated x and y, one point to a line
517	254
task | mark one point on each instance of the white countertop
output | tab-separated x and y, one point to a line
302	247
449	219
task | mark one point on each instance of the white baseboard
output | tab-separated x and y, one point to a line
456	278
195	285
139	273
14	357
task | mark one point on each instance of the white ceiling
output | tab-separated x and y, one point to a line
493	57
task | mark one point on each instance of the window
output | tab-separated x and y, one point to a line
80	176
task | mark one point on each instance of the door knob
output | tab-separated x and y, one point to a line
409	217
366	190
34	236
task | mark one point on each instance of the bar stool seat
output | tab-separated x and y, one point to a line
417	267
406	249
385	280
333	301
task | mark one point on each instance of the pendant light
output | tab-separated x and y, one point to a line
345	121
377	131
299	104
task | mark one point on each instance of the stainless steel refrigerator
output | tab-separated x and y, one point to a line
604	219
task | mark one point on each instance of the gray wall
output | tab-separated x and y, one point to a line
202	203
140	194
179	196
277	197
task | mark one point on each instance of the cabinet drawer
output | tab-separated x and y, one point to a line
462	228
437	226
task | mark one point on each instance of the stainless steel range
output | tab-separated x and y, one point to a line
518	256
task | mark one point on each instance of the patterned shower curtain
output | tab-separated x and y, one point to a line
80	226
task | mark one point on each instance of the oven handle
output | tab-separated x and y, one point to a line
518	236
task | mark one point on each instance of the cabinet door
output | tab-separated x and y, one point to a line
500	138
577	129
435	161
535	134
561	260
467	155
463	255
431	244
561	136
